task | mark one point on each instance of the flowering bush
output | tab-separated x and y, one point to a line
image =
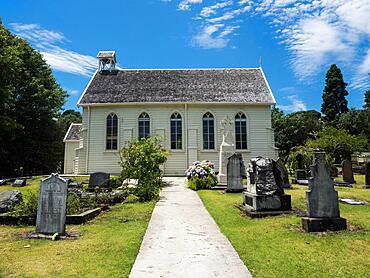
201	175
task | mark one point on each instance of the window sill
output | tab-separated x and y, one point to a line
242	151
111	151
209	151
177	151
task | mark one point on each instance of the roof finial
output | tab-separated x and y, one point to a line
260	61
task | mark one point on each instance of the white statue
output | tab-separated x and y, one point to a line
227	135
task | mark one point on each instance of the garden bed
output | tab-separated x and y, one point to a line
75	219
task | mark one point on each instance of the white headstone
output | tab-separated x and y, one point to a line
227	149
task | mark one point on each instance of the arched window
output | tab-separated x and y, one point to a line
144	125
176	131
208	131
112	132
240	131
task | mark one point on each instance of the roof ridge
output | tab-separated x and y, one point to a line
158	69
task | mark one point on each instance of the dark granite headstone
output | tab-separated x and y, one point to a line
334	171
52	205
20	183
99	179
367	175
299	158
280	163
235	171
266	193
322	199
347	171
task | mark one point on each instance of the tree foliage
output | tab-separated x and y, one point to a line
295	129
367	100
334	95
68	117
141	160
337	143
30	101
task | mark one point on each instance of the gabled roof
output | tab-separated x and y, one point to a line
178	85
73	133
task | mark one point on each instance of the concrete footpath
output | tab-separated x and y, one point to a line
182	240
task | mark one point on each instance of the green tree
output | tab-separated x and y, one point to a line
276	116
30	101
334	95
337	143
356	122
367	100
295	129
68	117
141	160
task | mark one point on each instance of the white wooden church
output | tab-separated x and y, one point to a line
183	106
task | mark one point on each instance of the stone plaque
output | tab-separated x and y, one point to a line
19	183
52	205
235	170
99	179
367	175
347	171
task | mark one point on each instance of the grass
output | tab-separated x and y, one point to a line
277	246
107	246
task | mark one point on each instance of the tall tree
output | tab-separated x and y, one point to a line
367	100
295	129
30	101
68	117
334	95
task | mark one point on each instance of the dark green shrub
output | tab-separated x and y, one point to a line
141	160
29	205
196	183
115	182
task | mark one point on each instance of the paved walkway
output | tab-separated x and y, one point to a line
182	240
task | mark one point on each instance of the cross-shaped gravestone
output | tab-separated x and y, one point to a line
52	205
227	130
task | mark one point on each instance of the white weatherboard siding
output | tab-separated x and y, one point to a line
69	156
93	157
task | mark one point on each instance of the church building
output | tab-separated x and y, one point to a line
185	107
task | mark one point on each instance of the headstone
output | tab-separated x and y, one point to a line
99	179
367	175
20	183
227	149
347	171
280	163
300	172
52	205
334	172
322	199
235	170
9	199
265	190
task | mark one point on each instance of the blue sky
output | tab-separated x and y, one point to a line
297	40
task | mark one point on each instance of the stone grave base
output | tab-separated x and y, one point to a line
300	182
260	214
267	202
342	183
233	190
224	187
50	237
367	186
323	224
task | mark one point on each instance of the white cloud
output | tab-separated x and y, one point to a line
314	32
72	92
209	37
211	10
295	105
59	59
185	5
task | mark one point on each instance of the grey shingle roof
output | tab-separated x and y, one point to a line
73	132
185	85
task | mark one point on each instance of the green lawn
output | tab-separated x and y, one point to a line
107	246
277	246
